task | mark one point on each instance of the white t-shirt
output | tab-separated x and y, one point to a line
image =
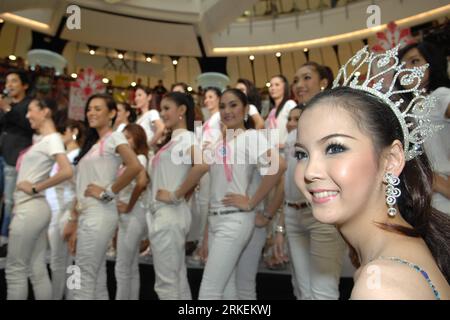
61	197
281	120
291	191
121	127
244	154
252	110
99	166
438	146
37	164
146	122
210	130
125	193
171	164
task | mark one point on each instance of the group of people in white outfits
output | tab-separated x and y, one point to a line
166	179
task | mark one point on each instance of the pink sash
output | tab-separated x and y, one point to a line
156	158
272	119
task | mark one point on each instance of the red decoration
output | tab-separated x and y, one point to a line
392	37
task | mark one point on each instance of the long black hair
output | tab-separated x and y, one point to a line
180	99
438	76
376	118
252	93
286	94
57	116
249	123
92	135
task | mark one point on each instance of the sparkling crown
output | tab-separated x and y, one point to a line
413	119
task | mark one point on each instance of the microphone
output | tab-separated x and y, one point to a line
5	93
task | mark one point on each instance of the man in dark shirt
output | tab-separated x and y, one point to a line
16	137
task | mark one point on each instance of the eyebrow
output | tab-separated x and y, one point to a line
322	140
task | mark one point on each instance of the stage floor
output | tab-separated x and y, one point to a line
271	284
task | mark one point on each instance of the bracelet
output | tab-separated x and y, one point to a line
280	229
174	199
249	207
72	219
266	215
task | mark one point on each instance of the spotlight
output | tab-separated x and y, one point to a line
105	80
305	50
174	62
133	84
267	84
148	57
74	75
120	54
278	54
92	49
252	57
12	57
189	89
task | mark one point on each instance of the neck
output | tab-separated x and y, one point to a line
236	130
46	128
179	126
72	145
144	109
18	98
278	101
368	239
213	111
103	131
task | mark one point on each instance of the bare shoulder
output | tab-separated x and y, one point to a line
388	280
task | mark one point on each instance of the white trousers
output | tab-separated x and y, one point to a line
228	235
60	257
132	228
167	233
26	251
248	264
200	208
96	227
317	252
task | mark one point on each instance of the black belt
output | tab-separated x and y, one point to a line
296	205
223	212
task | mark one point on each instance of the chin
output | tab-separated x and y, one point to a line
327	216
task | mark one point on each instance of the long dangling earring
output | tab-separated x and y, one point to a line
392	193
180	117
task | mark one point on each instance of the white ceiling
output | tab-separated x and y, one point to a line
173	27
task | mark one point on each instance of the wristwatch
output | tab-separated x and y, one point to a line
33	189
107	195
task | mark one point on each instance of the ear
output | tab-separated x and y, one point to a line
324	83
112	114
47	112
182	110
394	158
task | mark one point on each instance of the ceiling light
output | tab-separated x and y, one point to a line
105	80
189	89
133	84
278	54
74	75
252	57
12	57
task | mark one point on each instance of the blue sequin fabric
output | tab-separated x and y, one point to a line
418	269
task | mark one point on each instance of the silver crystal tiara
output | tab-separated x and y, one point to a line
413	119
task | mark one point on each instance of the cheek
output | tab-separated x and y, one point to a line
299	177
355	176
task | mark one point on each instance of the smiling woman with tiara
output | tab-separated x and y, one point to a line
361	166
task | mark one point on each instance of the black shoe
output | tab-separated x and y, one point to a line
4	250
